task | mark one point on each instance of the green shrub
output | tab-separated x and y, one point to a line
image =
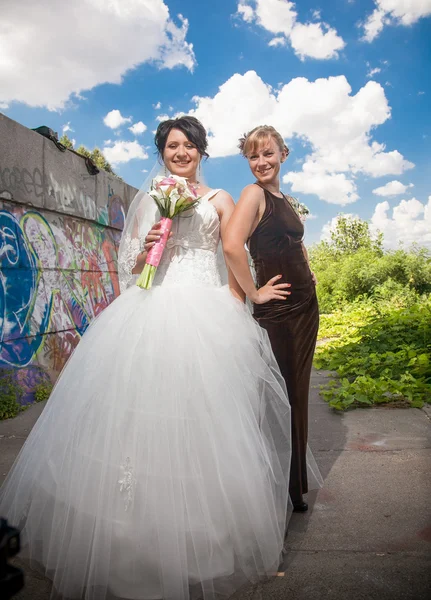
42	391
10	394
375	326
381	351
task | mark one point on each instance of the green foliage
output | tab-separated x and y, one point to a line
10	394
66	141
352	234
345	277
376	324
42	391
100	161
381	352
96	154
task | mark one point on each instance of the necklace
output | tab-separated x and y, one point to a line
195	184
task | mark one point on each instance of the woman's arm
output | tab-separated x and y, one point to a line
243	222
225	206
140	263
304	251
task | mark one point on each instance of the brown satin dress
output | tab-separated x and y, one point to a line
292	324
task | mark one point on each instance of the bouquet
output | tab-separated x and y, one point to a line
173	195
301	210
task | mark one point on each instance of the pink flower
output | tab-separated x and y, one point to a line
193	191
167	181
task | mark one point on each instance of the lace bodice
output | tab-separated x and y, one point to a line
190	256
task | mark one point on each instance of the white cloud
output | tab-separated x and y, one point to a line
115	119
157	106
315	40
279	17
123	152
372	72
392	188
4	105
67	127
277	41
410	222
138	128
177	51
394	12
161	118
338	128
374	25
334	188
85	44
246	12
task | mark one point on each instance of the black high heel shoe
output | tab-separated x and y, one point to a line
300	507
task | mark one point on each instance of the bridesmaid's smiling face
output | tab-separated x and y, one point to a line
180	155
265	161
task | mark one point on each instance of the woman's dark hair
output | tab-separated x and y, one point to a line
192	128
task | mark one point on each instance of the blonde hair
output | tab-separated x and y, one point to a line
251	141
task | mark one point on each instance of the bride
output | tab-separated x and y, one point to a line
159	467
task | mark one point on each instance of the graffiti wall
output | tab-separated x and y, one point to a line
59	234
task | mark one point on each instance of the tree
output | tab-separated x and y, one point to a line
96	155
352	234
66	141
98	158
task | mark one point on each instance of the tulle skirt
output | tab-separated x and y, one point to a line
159	467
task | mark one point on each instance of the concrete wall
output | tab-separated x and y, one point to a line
59	233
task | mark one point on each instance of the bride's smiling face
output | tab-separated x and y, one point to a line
180	155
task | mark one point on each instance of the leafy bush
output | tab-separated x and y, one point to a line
376	319
381	354
10	394
42	391
354	265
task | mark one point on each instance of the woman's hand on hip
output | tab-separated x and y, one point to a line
271	291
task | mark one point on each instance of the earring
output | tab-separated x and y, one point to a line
165	171
199	171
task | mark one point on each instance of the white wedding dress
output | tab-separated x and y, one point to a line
159	467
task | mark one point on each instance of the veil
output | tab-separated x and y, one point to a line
142	214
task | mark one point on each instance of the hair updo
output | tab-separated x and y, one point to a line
251	141
192	128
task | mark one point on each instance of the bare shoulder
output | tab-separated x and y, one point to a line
253	191
222	200
252	197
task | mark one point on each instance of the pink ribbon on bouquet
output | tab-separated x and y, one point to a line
154	255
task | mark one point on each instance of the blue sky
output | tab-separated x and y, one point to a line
346	82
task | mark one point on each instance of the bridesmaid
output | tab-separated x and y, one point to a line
265	219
